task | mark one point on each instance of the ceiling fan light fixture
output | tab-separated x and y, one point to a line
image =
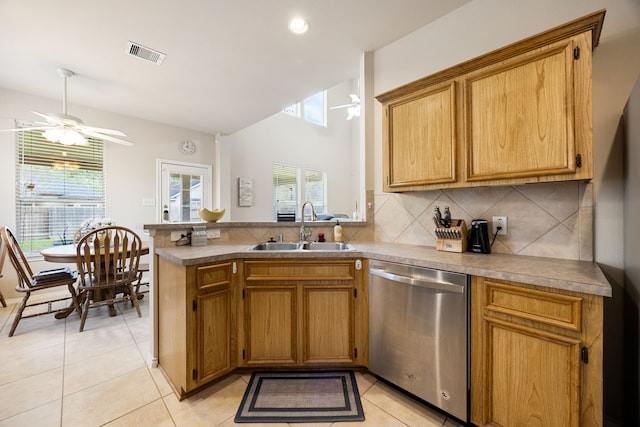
64	136
298	26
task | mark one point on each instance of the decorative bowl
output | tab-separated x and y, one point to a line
211	216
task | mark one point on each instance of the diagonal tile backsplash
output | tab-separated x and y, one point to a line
549	220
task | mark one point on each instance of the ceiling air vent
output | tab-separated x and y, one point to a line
134	49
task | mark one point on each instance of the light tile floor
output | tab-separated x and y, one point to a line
52	375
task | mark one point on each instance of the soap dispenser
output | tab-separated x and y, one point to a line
337	232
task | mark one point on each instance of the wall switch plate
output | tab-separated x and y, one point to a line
148	201
502	222
213	234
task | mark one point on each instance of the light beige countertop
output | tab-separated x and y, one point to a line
578	276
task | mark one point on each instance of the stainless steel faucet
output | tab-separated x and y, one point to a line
314	217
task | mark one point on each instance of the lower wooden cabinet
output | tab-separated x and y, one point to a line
196	323
303	312
536	353
536	356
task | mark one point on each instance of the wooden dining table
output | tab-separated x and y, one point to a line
67	254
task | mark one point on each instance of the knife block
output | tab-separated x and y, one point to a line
452	239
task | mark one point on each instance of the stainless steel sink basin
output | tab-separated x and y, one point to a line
328	246
275	246
301	246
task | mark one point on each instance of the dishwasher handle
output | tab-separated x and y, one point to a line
427	284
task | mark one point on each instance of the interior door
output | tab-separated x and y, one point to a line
184	188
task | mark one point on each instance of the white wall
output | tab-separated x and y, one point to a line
131	171
289	140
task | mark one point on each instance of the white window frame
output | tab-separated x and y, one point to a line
299	109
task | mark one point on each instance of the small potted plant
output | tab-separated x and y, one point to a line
63	240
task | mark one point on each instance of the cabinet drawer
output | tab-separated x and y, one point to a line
550	308
212	276
299	270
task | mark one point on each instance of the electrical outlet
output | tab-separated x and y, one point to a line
176	235
213	234
502	222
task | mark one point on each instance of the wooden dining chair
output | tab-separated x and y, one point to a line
79	234
28	282
108	262
3	254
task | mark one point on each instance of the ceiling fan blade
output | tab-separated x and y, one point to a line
105	137
50	119
341	106
85	128
43	127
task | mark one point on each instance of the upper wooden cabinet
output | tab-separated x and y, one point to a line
421	137
517	115
520	114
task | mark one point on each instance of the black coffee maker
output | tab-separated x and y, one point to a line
479	237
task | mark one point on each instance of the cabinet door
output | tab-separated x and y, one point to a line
214	334
328	324
270	325
420	133
520	114
536	356
530	375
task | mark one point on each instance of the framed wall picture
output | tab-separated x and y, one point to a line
245	191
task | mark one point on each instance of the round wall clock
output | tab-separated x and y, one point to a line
187	147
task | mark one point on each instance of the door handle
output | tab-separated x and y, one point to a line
412	281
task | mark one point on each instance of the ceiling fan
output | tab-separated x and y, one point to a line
70	130
353	109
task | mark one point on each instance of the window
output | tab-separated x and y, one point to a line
315	189
58	187
294	185
313	109
293	110
285	189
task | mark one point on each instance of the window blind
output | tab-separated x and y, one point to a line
293	185
315	186
285	189
57	188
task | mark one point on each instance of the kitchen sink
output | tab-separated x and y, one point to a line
328	246
276	246
301	246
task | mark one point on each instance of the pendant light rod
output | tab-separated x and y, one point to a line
65	74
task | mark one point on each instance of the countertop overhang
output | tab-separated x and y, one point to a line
568	275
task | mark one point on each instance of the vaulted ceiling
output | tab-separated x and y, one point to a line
229	63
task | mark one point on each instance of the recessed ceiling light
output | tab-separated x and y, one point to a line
298	26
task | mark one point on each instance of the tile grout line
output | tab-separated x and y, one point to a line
155	383
64	362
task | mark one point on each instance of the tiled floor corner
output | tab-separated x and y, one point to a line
54	376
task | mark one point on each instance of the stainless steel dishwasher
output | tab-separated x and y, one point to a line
418	333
